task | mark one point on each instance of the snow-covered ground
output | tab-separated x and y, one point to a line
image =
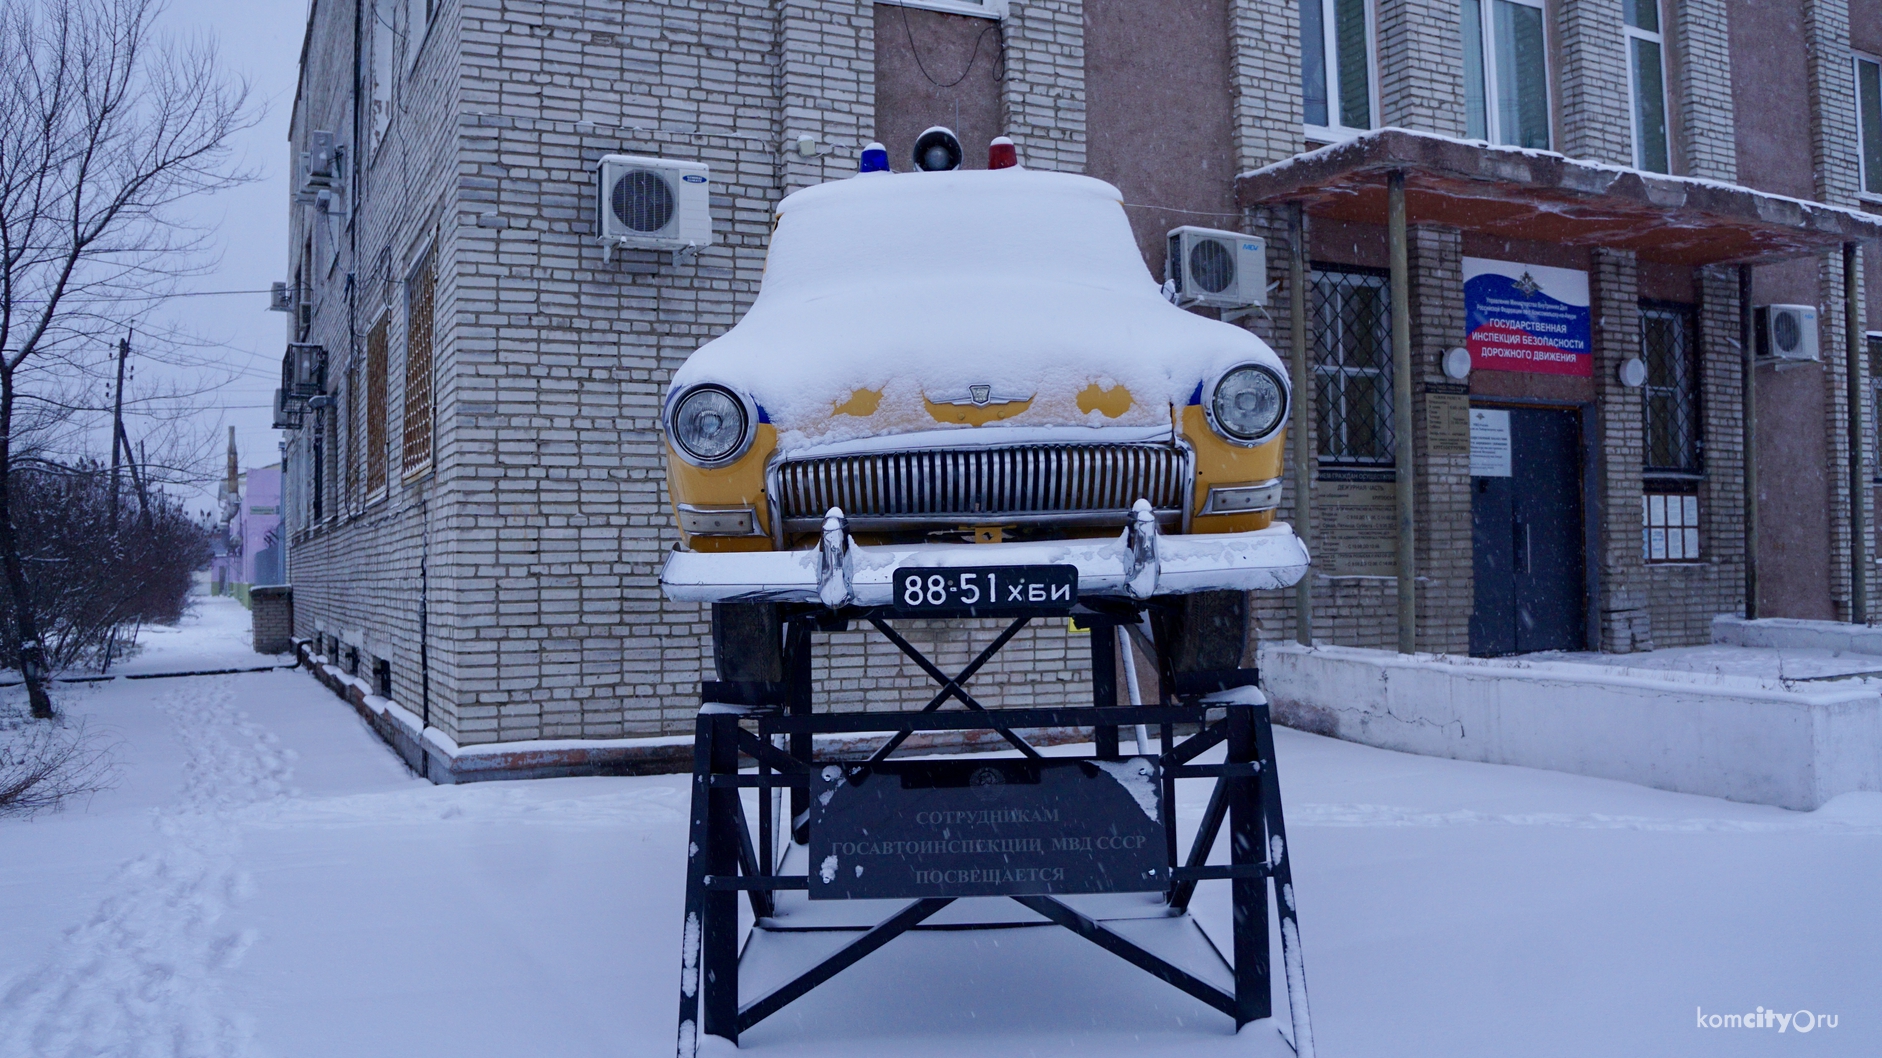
267	879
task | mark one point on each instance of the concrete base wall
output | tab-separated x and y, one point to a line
1784	633
1741	738
433	754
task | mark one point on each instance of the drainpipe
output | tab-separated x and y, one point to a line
1303	402
1748	411
1402	408
424	636
1852	380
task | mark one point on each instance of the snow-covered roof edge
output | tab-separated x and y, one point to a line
1321	153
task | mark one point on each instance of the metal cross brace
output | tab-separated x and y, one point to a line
951	687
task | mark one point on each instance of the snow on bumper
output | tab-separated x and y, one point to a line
1125	568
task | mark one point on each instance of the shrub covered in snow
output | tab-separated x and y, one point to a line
90	576
44	763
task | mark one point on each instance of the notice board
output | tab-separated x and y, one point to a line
1523	317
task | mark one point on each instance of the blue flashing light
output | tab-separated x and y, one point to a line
875	159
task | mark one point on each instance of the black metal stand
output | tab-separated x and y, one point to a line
740	721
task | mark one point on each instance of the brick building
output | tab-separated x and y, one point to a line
475	496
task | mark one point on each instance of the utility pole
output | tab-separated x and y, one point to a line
117	426
137	474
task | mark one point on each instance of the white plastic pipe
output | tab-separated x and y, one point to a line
1130	679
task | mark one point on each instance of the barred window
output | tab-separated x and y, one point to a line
376	409
418	321
1672	391
1352	367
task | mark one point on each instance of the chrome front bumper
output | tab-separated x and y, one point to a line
1139	563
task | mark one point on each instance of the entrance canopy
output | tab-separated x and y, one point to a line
1541	196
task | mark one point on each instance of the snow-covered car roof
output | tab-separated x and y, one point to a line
927	283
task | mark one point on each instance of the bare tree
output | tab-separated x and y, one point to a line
104	129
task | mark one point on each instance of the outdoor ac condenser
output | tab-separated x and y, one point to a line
1787	332
1219	269
652	203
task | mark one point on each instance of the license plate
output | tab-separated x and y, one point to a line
985	589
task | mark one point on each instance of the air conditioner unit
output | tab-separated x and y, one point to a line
1787	332
320	163
304	371
652	203
280	298
1219	269
287	413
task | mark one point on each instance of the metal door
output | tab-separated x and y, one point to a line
1526	535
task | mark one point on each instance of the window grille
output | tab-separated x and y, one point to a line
418	347
1352	368
1671	394
376	408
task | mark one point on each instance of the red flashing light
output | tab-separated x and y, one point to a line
1001	154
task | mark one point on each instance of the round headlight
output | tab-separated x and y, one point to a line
709	425
1249	403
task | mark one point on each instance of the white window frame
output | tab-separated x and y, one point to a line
1486	33
1333	131
1630	34
994	9
419	14
1862	163
381	63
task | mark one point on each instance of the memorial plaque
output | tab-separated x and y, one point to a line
912	829
1356	528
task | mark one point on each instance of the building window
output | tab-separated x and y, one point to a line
1869	121
350	412
304	291
1506	74
380	70
1352	339
419	290
1336	76
1670	527
376	409
327	444
417	23
1671	394
1647	84
981	8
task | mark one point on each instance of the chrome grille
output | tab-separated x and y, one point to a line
1064	483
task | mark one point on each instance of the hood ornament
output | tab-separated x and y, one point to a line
979	395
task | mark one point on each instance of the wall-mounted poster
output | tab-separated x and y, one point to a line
1522	317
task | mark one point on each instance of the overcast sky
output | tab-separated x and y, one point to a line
259	40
